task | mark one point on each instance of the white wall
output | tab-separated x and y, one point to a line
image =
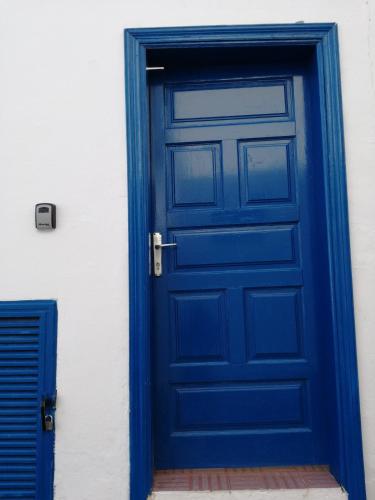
62	139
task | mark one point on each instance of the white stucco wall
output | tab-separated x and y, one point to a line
62	139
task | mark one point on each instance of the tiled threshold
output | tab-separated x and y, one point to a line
266	483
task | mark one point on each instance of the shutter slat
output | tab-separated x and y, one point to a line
16	453
17	372
17	401
10	495
18	378
20	459
14	418
13	476
17	391
20	428
17	468
18	341
6	412
23	444
14	323
16	364
14	434
18	387
9	484
19	349
19	332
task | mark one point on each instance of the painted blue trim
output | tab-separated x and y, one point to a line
349	421
47	312
324	37
139	281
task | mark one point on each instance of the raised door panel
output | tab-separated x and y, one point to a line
266	171
195	176
251	100
235	246
198	326
246	406
274	323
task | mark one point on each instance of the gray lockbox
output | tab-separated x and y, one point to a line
45	216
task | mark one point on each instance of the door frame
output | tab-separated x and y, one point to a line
324	37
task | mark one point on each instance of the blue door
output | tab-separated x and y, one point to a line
27	399
238	372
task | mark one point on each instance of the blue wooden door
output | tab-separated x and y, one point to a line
237	358
27	393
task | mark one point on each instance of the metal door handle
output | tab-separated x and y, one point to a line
163	245
158	245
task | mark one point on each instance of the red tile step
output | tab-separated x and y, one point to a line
258	478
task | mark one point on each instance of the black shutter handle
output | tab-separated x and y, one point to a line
47	413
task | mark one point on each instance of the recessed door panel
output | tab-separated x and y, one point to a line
195	176
247	406
274	328
250	100
265	171
237	246
199	326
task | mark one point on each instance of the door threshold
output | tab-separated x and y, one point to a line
312	482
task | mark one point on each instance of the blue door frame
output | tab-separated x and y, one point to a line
323	37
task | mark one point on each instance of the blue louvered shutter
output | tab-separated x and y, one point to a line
27	376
